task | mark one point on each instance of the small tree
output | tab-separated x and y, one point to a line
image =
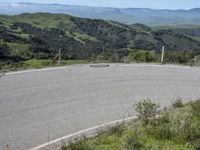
146	109
114	58
177	103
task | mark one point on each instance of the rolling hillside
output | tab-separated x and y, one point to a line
41	34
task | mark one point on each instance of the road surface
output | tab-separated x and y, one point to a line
40	106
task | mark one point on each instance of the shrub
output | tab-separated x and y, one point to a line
188	129
178	103
178	56
161	132
160	119
80	143
132	142
142	56
114	58
117	129
196	144
45	63
146	109
196	109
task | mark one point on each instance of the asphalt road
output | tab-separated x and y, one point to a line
40	106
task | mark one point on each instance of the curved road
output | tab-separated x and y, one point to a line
40	106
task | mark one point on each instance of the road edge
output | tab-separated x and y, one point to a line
81	132
88	65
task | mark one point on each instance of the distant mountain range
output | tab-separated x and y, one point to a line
123	15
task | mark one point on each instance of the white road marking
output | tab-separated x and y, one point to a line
82	132
35	70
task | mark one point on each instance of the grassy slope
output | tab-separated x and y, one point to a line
35	64
17	48
182	27
174	129
40	20
43	20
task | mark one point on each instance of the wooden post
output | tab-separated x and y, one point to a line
59	61
162	57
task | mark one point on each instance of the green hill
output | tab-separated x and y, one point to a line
40	35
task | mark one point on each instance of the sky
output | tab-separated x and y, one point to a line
154	4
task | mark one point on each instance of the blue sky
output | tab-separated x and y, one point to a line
158	4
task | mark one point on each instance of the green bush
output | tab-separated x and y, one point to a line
45	64
114	58
132	142
160	119
117	129
196	109
196	144
161	132
178	56
177	103
78	144
10	65
188	128
142	56
146	109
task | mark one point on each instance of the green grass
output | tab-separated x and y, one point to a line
25	36
6	66
18	48
74	62
36	63
40	20
83	37
176	128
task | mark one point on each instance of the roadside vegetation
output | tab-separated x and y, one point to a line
172	57
6	66
134	56
174	128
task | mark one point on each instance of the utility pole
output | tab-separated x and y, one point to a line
163	51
